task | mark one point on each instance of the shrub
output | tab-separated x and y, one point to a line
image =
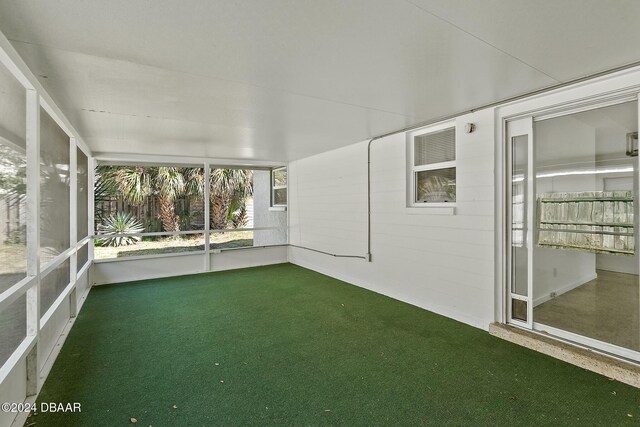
120	223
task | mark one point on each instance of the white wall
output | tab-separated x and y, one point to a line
13	390
263	216
120	270
443	263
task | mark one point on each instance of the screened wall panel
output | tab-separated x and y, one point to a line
13	166
83	256
83	195
54	189
148	199
13	327
52	285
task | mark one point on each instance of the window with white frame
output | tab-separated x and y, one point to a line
432	153
279	187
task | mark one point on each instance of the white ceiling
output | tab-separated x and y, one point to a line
284	79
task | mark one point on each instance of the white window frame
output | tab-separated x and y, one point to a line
413	170
278	187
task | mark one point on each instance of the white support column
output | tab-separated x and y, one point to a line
207	221
73	222
91	168
33	235
73	206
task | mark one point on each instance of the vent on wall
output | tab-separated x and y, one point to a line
632	144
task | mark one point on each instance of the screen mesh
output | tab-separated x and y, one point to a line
83	256
54	189
83	195
13	327
52	285
13	169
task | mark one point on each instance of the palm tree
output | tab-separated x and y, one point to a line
170	185
137	183
230	189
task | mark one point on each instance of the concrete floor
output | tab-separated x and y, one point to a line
606	309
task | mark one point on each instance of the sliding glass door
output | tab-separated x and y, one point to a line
573	264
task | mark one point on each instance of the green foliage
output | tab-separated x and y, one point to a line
229	188
104	190
13	171
119	223
18	236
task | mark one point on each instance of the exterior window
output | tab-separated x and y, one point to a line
432	153
279	187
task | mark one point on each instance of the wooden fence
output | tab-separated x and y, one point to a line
190	211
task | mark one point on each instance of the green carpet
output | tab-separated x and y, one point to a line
283	345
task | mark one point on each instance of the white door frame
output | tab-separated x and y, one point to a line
516	128
618	88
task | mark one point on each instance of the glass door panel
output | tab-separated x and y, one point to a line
520	214
585	275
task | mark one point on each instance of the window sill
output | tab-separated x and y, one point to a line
277	208
436	209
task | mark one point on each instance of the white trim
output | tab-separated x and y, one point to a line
412	169
148	234
272	180
56	304
150	256
277	208
137	159
178	233
600	92
207	216
16	291
55	262
84	268
91	167
566	288
432	209
19	353
33	235
435	166
579	107
73	208
515	128
611	350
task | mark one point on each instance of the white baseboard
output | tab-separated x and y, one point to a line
564	289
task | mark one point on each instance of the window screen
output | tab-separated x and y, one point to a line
54	189
83	195
13	168
52	285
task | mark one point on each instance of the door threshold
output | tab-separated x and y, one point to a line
604	364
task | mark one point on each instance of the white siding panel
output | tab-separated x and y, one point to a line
51	331
444	263
13	390
126	270
243	258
